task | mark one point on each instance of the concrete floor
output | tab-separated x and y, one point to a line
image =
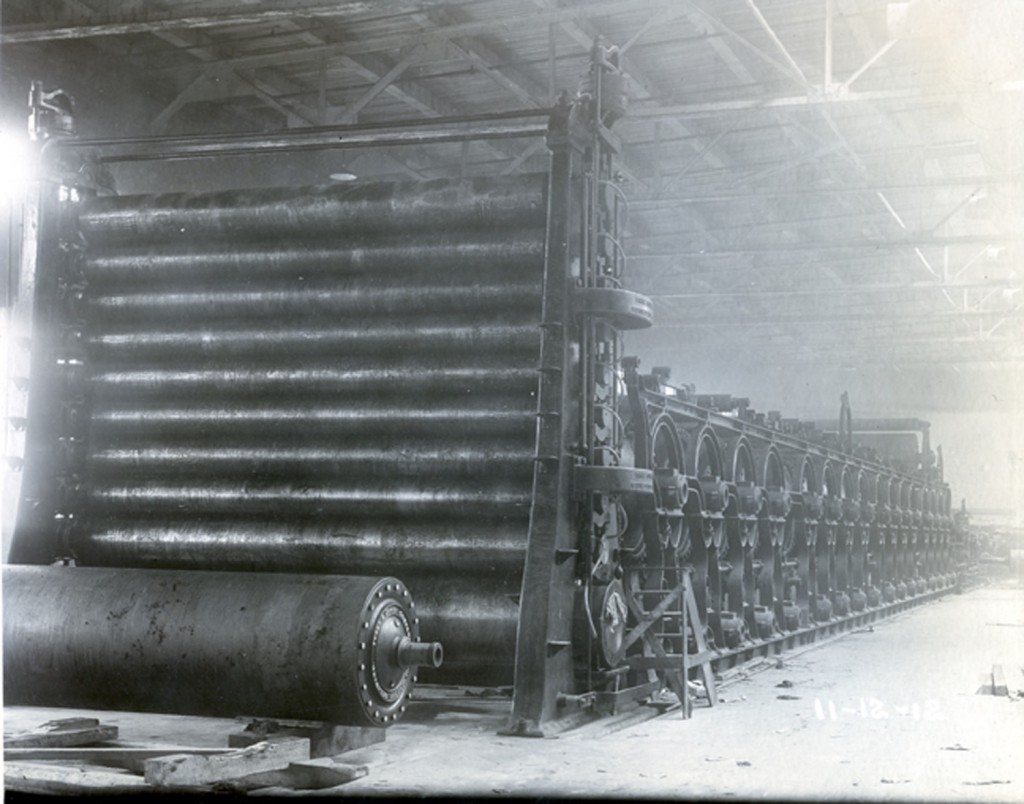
886	714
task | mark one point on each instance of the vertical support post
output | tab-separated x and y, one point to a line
572	543
42	489
544	660
684	619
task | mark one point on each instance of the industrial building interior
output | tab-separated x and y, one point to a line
815	210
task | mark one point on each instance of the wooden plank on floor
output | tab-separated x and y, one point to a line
186	770
314	774
128	757
58	733
27	777
325	739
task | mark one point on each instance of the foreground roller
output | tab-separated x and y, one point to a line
334	648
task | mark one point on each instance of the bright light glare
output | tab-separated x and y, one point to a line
16	164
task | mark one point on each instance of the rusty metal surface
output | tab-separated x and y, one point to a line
328	380
210	643
326	545
328	211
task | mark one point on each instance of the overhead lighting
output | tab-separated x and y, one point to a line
343	175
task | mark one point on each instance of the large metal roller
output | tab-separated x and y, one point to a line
328	379
359	338
420	548
308	498
313	300
448	253
475	622
436	459
333	648
330	211
500	417
244	379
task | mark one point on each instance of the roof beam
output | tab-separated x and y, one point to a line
376	44
380	85
716	108
783	50
873	318
725	29
652	201
186	96
417	96
915	240
200	46
848	290
486	58
22	34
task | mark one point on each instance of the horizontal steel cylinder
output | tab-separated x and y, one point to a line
269	342
404	377
500	417
291	646
329	211
481	501
510	461
479	623
326	545
310	302
451	254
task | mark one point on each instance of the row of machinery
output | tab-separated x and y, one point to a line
252	427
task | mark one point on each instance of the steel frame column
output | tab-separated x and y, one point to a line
544	659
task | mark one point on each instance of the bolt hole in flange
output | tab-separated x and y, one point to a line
342	649
391	652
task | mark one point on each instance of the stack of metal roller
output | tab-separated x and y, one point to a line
332	379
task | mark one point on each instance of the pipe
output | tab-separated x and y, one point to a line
358	338
476	623
342	377
505	459
333	648
413	124
363	257
271	420
331	545
318	141
332	211
311	497
312	301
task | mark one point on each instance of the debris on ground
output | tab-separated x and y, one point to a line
696	689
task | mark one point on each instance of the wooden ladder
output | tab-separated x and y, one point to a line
675	665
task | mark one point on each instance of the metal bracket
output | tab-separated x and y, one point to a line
613	480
